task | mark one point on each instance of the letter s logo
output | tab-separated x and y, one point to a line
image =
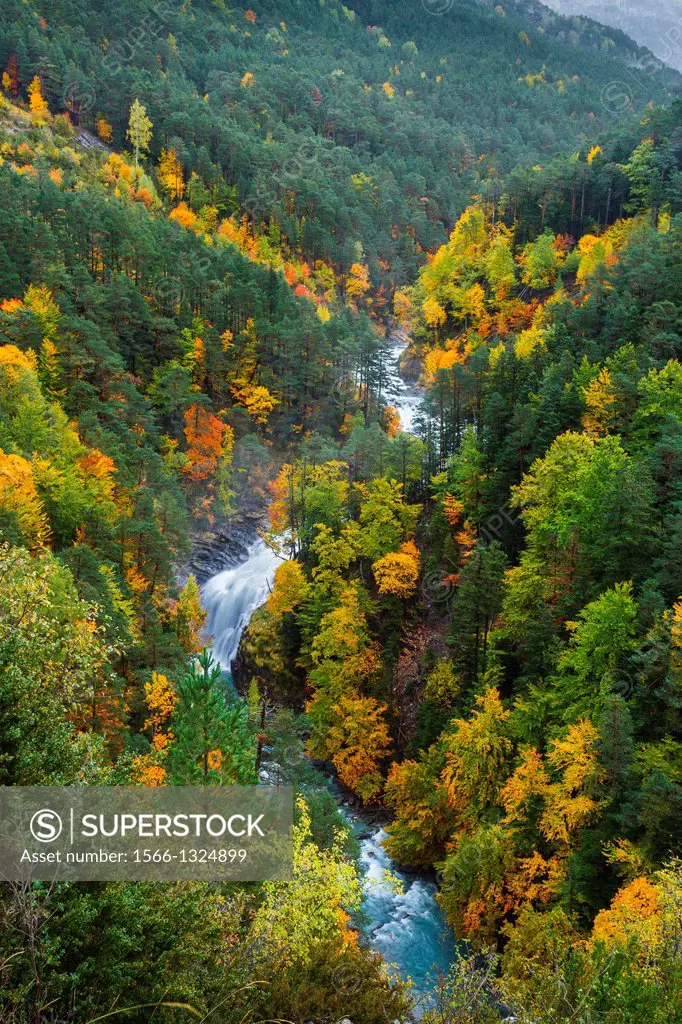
46	826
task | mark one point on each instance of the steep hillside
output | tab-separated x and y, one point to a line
357	131
211	221
487	630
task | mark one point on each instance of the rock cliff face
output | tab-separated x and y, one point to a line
281	685
224	547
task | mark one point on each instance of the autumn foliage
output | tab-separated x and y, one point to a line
205	436
397	572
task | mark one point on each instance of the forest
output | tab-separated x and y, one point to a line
215	224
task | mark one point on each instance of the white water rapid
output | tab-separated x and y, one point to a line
405	924
404	396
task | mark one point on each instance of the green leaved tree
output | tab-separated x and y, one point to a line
139	131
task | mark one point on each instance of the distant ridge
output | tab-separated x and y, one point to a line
656	24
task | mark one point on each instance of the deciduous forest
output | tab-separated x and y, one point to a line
230	239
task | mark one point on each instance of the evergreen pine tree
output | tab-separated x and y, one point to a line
213	744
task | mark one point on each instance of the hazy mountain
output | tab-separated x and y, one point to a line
654	23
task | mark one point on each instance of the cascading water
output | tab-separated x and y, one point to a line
231	598
407	927
405	924
403	396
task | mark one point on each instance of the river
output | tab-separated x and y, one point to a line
404	923
402	919
404	395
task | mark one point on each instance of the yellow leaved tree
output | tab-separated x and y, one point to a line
19	500
37	102
398	571
170	174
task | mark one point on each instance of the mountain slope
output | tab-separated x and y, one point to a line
483	619
355	139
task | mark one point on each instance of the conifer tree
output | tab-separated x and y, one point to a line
212	744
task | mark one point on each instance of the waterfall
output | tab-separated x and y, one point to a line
231	597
